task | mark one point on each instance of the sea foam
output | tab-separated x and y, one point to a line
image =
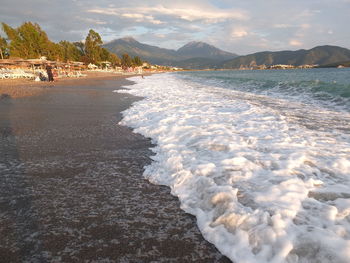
263	187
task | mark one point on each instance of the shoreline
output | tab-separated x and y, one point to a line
19	88
72	186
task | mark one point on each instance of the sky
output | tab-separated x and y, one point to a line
238	26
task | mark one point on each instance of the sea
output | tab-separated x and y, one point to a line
261	158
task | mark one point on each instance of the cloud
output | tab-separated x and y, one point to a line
295	43
238	26
283	26
239	33
142	18
92	21
183	13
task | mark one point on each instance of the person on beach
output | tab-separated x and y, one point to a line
49	72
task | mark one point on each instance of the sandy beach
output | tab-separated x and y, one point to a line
71	184
18	88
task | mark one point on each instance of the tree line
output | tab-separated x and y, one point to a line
29	41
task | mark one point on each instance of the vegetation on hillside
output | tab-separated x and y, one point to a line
29	41
3	47
321	55
195	55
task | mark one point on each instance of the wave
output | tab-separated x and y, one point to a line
263	187
329	88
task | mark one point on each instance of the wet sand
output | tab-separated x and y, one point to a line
18	88
71	185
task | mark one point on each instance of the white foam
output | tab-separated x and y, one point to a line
263	188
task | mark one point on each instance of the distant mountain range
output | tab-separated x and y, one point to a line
192	55
322	55
200	55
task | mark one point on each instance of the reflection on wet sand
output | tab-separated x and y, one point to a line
71	185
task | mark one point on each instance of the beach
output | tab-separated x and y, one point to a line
261	158
71	180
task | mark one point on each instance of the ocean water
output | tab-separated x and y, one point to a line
261	158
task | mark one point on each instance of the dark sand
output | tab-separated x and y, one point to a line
71	185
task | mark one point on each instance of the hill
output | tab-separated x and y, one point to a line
196	49
198	63
146	52
321	55
192	55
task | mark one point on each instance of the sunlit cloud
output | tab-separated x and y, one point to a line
282	26
238	26
92	21
295	43
142	18
187	14
239	33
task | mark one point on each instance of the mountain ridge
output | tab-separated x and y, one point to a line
320	55
200	55
198	50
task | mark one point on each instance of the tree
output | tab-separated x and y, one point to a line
114	59
3	47
80	46
30	41
137	61
92	47
126	61
70	52
104	54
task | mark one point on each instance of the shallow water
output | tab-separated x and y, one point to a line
71	185
261	158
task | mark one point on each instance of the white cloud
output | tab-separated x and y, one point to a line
238	26
142	18
186	14
239	33
295	43
305	26
282	26
92	21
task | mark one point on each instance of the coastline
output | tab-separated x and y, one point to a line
18	88
71	183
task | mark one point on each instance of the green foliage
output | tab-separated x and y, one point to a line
108	56
104	54
126	61
113	58
30	41
3	48
80	46
93	50
321	55
70	51
137	62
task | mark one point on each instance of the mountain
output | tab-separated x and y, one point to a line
198	63
192	55
337	64
196	49
146	52
321	55
200	55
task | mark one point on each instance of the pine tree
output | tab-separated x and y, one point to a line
30	41
92	47
126	61
70	52
137	62
3	48
114	59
